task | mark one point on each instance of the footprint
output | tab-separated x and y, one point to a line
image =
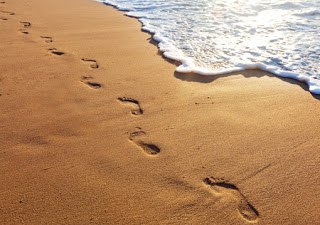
3	18
137	110
47	39
222	187
8	13
2	2
148	148
56	52
93	63
86	80
26	24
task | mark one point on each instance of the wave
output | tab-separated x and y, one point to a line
190	47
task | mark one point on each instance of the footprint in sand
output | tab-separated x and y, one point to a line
56	52
47	39
3	18
93	63
26	24
137	110
148	148
222	187
8	13
24	32
88	81
2	2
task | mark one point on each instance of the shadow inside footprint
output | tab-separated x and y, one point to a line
56	52
222	187
93	63
247	211
148	148
26	24
24	32
47	39
8	13
137	110
93	84
87	80
3	18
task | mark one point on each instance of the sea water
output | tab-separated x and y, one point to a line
212	37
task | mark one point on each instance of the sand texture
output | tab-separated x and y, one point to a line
97	128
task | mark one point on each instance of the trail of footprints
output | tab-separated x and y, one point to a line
138	136
219	187
88	80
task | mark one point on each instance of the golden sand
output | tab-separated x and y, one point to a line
97	128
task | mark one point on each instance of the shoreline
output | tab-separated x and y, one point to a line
98	128
312	83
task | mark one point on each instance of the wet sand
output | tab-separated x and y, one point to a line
97	128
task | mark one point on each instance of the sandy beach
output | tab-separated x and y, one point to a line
97	128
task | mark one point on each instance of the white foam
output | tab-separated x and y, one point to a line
211	37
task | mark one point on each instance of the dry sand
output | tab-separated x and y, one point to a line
96	128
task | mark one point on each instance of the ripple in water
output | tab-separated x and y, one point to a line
220	36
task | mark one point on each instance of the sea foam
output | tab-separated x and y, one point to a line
211	37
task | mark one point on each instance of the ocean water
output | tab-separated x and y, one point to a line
212	37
